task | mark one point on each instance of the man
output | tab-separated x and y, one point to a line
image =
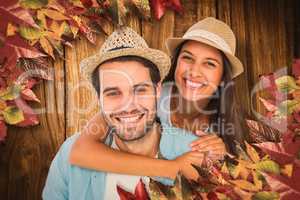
127	77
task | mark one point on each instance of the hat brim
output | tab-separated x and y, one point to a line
157	57
237	66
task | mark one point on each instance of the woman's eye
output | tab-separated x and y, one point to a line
211	64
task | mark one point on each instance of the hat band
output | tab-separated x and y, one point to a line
209	36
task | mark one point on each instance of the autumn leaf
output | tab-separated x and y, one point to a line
13	115
245	185
29	33
252	153
140	191
11	92
30	117
55	15
28	95
11	29
16	15
286	84
259	132
33	4
124	195
47	47
15	48
268	166
265	196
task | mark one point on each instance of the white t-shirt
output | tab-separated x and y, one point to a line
126	182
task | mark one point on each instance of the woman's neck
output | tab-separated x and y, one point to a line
186	108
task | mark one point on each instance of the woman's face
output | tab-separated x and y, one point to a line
199	70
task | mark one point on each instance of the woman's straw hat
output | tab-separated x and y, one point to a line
125	42
215	33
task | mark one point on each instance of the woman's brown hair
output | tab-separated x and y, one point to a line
228	111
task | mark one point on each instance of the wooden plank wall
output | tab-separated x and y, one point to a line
268	35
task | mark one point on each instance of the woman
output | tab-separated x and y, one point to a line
201	100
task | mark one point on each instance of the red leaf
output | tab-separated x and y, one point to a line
268	83
268	104
175	5
284	152
3	130
28	95
87	3
29	115
15	48
141	192
124	195
15	14
288	188
158	8
212	196
296	68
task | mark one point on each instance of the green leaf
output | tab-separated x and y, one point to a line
30	33
13	115
33	4
268	166
11	92
288	107
265	196
286	84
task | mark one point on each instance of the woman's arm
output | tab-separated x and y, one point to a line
89	152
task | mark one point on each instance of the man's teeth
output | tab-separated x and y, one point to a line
129	119
194	84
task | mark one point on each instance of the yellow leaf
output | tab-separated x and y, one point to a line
41	16
257	182
47	47
245	185
252	153
11	30
74	30
287	170
224	168
13	115
10	93
30	33
2	105
55	15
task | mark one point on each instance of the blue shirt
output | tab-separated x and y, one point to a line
66	181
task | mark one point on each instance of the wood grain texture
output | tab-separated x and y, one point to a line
27	153
268	37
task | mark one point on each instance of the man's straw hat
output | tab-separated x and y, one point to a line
125	42
215	33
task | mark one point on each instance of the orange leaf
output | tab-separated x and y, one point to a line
287	170
53	14
11	30
245	185
252	153
47	46
41	16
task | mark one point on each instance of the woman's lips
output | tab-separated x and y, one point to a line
194	84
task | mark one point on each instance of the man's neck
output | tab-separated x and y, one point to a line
146	146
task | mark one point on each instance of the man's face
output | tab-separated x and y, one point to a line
127	98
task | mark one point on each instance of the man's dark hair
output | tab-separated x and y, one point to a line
153	70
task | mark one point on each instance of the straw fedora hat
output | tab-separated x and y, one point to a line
215	33
125	42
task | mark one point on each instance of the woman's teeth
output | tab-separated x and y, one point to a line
194	84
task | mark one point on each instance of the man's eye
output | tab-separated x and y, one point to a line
140	90
112	94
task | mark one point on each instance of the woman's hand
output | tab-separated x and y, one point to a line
185	161
209	144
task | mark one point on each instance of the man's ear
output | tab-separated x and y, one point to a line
158	89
